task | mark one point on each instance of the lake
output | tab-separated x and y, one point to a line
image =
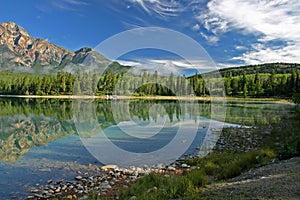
42	139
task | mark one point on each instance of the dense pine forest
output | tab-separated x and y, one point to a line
268	80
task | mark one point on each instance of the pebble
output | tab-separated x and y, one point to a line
107	167
64	187
34	191
106	187
171	168
58	190
78	178
184	165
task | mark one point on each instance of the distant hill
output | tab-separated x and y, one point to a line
21	52
278	68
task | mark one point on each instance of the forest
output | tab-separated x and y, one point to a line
265	81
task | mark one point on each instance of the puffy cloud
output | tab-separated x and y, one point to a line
267	20
196	27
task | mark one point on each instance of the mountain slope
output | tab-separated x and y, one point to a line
18	48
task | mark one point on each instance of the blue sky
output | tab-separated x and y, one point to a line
233	33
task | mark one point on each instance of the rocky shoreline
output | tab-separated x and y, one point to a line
105	181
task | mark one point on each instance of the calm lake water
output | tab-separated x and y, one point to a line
42	139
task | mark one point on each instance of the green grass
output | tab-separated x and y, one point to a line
219	165
227	165
154	186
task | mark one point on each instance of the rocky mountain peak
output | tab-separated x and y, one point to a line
22	49
13	29
18	48
84	50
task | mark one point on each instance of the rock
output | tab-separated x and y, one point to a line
109	167
58	190
184	165
49	181
111	183
38	196
45	192
80	187
78	178
132	178
133	197
51	191
64	187
59	182
170	168
34	191
105	185
30	197
160	166
69	196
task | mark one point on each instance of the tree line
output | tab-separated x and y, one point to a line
63	83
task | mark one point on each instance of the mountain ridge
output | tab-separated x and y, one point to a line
18	48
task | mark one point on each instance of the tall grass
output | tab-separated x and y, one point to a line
227	165
219	165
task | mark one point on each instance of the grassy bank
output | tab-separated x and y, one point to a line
214	167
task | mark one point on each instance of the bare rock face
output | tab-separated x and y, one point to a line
30	51
18	48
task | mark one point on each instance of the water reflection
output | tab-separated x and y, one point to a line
29	123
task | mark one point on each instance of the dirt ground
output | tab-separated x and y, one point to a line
278	180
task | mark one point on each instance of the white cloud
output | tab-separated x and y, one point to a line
261	54
211	39
129	63
268	21
239	47
196	27
69	5
76	2
166	66
163	8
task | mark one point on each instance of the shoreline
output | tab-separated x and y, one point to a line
105	97
107	181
